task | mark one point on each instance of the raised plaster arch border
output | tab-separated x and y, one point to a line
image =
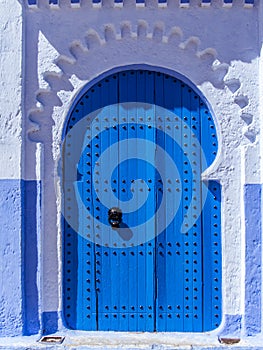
216	72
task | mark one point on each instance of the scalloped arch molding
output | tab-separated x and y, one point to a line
120	48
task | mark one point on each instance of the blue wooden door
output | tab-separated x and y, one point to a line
152	273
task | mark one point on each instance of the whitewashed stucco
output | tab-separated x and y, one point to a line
11	88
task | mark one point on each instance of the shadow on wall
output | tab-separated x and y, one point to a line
200	40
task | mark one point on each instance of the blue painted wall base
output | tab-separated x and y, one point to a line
253	295
30	222
19	302
232	327
11	319
49	322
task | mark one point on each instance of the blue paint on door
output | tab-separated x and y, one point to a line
172	280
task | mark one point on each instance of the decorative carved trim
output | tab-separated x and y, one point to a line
54	4
96	46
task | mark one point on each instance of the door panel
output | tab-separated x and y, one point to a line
172	280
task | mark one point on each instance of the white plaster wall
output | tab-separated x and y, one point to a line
216	48
260	14
10	88
11	105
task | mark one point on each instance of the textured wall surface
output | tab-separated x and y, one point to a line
11	282
48	54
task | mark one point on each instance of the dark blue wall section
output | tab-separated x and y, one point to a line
50	322
10	258
30	222
253	216
19	263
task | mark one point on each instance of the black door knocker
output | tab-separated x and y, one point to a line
115	217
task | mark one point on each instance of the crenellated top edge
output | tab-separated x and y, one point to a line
56	4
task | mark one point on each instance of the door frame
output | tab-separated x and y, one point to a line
163	70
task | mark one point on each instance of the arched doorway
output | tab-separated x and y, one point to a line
155	265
